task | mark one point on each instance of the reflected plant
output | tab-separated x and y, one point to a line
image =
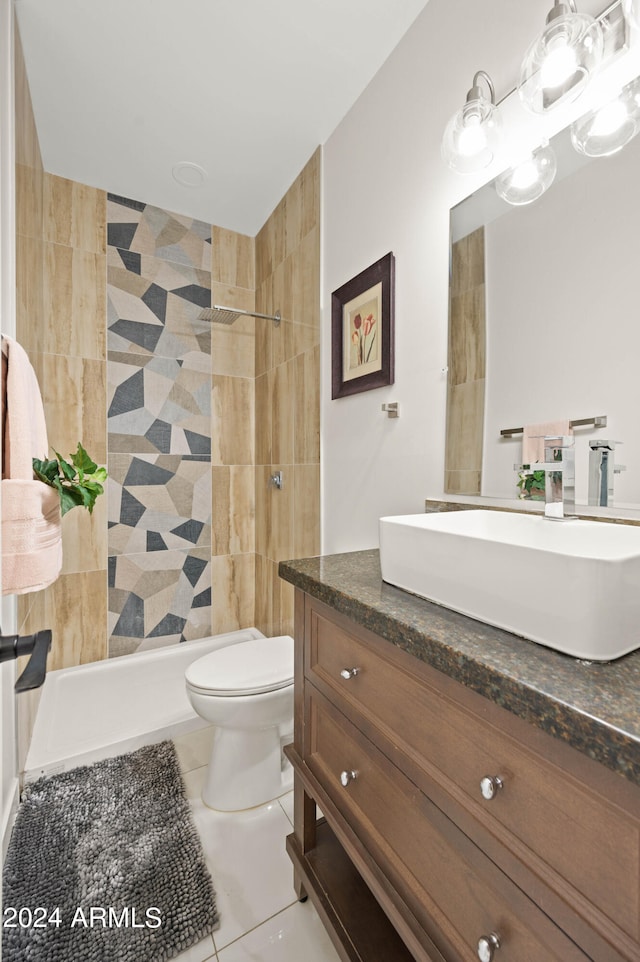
531	483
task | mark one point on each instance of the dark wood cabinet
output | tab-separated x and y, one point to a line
451	830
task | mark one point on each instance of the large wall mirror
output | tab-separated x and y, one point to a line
545	323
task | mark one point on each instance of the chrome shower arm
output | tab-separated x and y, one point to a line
277	317
227	315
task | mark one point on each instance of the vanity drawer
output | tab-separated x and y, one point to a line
572	837
457	894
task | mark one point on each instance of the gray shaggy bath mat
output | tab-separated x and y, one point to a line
105	865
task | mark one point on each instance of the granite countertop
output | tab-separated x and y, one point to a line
593	707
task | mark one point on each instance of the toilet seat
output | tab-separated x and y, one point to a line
248	668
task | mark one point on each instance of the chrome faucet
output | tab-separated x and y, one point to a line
560	478
602	468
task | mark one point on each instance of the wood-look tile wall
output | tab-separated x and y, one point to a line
232	434
287	394
60	320
467	365
63	329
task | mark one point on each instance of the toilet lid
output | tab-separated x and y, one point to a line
250	667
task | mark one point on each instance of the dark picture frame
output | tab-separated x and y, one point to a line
363	331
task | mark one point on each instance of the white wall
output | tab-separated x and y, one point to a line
385	188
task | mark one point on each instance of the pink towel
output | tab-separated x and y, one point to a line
31	527
533	438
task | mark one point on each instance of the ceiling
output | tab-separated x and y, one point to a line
124	90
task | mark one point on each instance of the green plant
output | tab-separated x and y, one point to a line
78	481
531	482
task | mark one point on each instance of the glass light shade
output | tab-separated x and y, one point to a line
606	129
472	136
528	180
560	62
632	11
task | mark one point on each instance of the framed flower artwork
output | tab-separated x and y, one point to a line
362	330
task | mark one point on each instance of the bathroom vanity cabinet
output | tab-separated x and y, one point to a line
452	828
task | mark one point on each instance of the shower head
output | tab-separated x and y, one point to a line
227	315
219	315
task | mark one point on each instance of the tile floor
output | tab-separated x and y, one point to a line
260	919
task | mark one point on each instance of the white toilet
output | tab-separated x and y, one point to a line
246	691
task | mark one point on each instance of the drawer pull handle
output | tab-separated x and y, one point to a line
346	777
490	785
487	946
348	673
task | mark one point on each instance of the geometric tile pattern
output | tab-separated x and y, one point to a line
158	502
158	598
159	426
143	229
158	405
154	309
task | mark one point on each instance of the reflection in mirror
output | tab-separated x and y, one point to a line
545	323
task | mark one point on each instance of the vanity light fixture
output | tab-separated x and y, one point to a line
561	61
608	128
474	133
528	180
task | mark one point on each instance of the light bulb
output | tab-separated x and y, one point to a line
560	64
472	139
525	174
473	135
609	119
605	130
561	61
528	180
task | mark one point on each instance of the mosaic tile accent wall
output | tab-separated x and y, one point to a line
159	426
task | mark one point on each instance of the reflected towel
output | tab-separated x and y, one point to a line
31	524
533	438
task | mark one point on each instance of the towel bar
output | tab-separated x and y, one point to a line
598	422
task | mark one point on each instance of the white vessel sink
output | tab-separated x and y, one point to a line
573	586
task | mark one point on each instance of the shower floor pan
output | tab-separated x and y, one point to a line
109	707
